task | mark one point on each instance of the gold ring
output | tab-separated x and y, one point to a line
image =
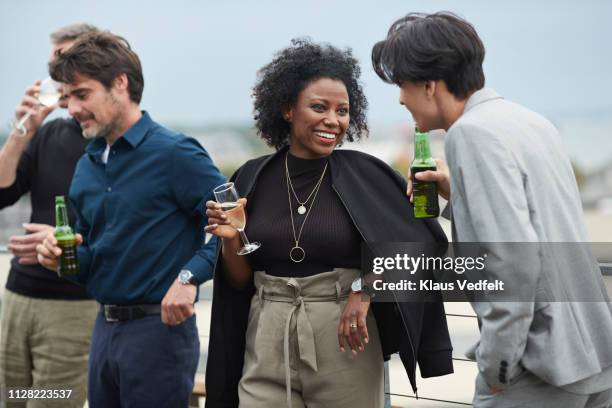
353	325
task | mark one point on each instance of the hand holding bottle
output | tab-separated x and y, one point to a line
49	251
440	176
58	250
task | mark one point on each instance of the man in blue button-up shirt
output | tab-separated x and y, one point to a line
139	194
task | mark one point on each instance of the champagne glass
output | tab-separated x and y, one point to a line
48	95
227	198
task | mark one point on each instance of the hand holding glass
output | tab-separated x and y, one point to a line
48	95
227	198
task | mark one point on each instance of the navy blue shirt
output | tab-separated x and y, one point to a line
142	213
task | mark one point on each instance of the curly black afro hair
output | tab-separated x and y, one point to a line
293	68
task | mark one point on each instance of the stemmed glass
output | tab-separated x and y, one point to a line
49	94
227	198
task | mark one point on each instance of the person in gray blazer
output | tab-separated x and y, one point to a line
508	180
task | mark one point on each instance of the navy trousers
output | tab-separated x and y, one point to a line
142	363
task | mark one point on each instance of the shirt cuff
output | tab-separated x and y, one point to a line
203	262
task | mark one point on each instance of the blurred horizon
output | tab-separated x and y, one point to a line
200	61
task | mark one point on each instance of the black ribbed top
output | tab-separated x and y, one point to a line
329	237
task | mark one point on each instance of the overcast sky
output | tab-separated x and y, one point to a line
200	57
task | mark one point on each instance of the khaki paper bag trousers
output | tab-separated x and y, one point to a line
292	356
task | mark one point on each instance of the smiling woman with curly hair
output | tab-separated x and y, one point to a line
291	324
281	81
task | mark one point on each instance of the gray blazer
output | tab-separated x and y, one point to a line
512	182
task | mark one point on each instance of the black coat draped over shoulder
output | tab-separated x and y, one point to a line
418	331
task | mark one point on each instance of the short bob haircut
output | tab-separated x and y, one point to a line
101	56
424	47
280	82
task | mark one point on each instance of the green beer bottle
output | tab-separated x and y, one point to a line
67	263
424	193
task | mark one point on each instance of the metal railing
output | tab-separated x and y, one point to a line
431	399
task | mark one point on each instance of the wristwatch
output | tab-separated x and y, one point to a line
186	277
358	287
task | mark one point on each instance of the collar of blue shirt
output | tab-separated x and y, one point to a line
133	137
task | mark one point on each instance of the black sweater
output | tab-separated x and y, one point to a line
329	237
418	331
45	170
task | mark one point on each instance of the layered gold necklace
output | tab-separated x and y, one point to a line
297	253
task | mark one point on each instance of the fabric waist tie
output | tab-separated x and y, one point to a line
305	335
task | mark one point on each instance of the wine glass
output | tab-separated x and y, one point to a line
227	198
49	94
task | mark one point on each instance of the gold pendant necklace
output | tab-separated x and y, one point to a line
301	210
297	254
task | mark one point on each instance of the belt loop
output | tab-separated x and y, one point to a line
338	292
297	290
260	293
